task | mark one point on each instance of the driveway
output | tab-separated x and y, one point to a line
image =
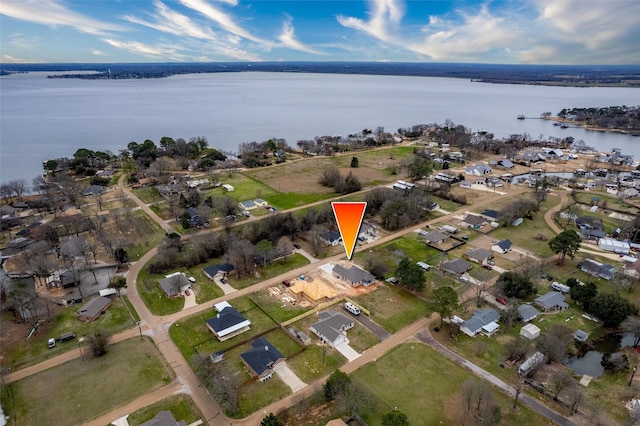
380	332
307	255
190	300
225	287
347	351
290	378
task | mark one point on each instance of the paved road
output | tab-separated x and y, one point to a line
380	332
426	337
157	327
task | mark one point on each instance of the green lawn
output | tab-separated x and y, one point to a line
411	245
288	200
392	307
278	267
154	297
426	387
309	366
191	333
148	235
24	353
181	406
245	187
85	389
524	235
148	195
275	308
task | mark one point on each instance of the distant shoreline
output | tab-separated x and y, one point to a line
585	126
546	75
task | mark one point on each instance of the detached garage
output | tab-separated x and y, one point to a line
530	331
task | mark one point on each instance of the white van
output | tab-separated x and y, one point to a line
352	308
51	343
560	287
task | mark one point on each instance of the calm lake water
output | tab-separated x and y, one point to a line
44	118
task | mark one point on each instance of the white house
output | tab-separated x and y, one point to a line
616	246
478	170
483	321
332	328
502	246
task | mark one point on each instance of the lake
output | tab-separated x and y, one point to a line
44	118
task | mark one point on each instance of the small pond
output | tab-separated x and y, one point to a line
589	363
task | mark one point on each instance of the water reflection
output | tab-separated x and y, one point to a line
589	363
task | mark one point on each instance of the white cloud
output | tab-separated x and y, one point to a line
55	13
225	21
158	51
229	2
384	14
172	22
288	38
13	60
97	52
470	38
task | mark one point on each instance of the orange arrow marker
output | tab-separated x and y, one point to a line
349	217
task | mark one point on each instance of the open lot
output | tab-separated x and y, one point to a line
85	389
181	406
20	352
424	368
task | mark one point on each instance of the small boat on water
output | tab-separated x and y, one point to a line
521	117
556	124
564	126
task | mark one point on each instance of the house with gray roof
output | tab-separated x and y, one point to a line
491	214
478	255
94	190
173	284
164	418
354	275
92	310
527	313
597	269
219	268
228	323
435	237
478	170
552	301
456	266
332	327
473	221
483	321
248	205
261	359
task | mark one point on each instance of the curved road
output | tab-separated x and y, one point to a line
157	327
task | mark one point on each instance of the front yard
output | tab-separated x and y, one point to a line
86	389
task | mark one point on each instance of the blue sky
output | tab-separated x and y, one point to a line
499	31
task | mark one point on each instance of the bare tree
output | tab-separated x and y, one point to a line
468	392
480	290
632	325
553	344
560	381
315	238
510	315
576	396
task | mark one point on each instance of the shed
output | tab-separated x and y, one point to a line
228	187
581	336
530	331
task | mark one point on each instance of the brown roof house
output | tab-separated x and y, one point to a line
479	255
92	310
354	275
261	359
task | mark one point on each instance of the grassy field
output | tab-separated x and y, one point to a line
392	307
426	369
276	309
85	389
191	334
23	353
245	187
149	235
154	297
411	245
315	362
278	267
524	235
181	406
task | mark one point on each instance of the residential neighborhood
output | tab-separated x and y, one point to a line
234	293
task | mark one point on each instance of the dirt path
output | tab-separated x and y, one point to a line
548	216
157	328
